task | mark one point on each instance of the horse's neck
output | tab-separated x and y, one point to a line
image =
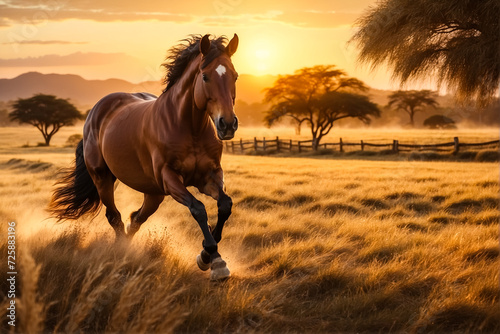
178	100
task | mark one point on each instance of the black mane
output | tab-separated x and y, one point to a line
181	55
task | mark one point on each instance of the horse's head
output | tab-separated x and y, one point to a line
215	86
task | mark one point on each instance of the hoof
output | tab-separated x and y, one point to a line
130	231
120	234
202	265
219	270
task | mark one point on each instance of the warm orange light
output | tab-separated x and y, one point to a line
259	57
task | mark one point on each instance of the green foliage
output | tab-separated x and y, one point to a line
458	41
412	101
318	96
45	112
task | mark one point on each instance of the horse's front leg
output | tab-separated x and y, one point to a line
174	186
215	189
224	203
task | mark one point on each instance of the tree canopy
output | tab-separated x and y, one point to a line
439	122
45	112
458	41
412	101
318	96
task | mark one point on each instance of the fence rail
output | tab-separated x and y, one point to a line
289	145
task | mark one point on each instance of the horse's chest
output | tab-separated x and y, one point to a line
195	167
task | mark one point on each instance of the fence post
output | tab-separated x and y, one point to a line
255	144
341	145
362	145
291	145
395	146
457	145
264	143
298	145
232	146
241	145
277	144
227	146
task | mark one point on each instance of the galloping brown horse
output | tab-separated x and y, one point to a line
160	146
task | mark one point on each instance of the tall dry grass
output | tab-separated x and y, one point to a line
314	245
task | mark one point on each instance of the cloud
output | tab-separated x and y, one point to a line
316	19
74	59
40	42
320	14
35	15
308	19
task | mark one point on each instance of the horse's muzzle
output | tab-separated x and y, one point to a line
226	131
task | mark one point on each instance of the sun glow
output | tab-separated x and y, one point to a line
262	60
260	57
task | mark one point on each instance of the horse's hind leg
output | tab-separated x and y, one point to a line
105	187
104	181
137	218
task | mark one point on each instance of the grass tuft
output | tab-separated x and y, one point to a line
374	203
489	253
257	202
334	208
488	156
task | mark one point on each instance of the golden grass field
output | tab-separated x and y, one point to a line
314	245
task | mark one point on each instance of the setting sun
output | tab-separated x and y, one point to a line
259	57
262	60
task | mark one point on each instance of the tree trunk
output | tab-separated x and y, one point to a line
47	138
297	129
412	122
315	142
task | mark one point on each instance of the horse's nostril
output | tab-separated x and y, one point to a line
235	123
222	124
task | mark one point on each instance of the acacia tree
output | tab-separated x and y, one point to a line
45	112
458	41
440	122
318	96
412	101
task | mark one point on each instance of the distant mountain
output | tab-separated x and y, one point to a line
86	93
82	92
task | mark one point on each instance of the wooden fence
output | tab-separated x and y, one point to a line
289	145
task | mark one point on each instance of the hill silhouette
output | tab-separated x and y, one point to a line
249	94
85	93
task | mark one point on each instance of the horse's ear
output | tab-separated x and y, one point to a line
205	45
232	46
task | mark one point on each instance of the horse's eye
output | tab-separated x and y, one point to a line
205	78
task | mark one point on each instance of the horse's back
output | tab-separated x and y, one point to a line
114	101
145	96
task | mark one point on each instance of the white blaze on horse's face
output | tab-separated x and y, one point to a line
221	70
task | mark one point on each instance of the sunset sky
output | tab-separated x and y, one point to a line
129	39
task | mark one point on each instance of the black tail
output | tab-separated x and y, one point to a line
77	194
